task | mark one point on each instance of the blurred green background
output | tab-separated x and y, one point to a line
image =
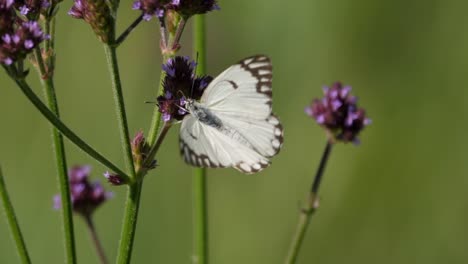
400	197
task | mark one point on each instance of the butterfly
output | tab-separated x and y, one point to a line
232	125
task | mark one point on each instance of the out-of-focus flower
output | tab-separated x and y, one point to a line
338	113
7	16
97	14
140	151
179	83
151	8
15	46
32	8
188	8
86	197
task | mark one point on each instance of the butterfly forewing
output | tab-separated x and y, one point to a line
241	98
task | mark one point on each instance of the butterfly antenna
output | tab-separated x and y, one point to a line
195	73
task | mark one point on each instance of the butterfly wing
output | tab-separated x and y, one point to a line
241	96
202	145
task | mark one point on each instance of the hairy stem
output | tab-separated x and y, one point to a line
130	220
120	108
200	255
60	161
67	132
13	222
309	209
95	239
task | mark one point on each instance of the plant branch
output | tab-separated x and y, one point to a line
127	32
13	222
200	255
60	160
309	209
111	56
67	132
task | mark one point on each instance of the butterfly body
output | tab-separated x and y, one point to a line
232	125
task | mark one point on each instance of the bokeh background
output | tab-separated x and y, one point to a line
400	197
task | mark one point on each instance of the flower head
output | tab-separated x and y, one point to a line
114	179
150	8
15	46
97	14
180	81
140	151
86	197
338	113
188	8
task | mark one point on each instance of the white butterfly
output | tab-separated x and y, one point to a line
232	125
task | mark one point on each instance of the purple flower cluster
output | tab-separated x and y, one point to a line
32	8
20	40
85	196
179	83
186	8
338	113
140	151
97	14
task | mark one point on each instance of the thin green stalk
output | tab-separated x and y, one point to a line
156	119
67	132
61	162
130	220
112	63
131	208
309	209
13	222
200	254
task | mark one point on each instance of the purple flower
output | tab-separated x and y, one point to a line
17	44
32	8
188	8
114	179
150	8
8	16
97	14
179	84
86	197
338	113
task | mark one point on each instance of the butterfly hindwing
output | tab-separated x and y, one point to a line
204	146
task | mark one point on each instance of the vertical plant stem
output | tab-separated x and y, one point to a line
112	63
60	160
13	222
95	238
129	225
200	254
132	205
309	209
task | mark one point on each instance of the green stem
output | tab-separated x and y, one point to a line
67	132
200	255
130	220
111	56
13	222
309	209
156	119
132	205
60	160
